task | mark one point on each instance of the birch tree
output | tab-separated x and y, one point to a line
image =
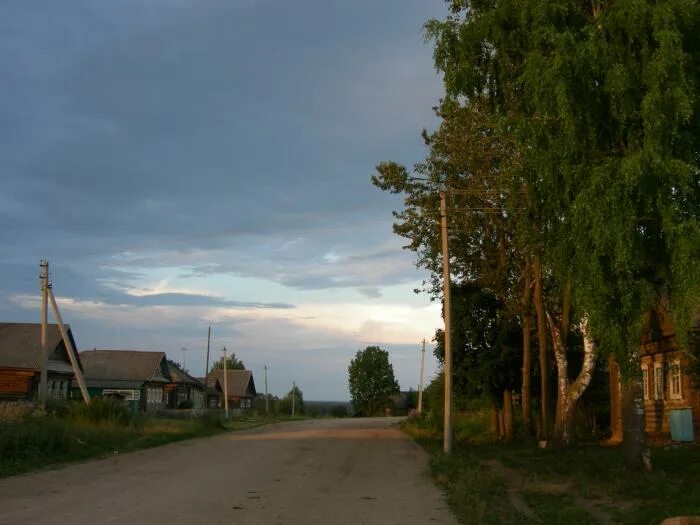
602	100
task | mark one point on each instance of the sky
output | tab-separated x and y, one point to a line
194	163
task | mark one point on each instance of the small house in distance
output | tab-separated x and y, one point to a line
240	387
20	361
183	389
137	377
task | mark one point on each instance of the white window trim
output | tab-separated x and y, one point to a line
658	378
645	380
679	394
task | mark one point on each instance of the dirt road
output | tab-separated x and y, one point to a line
354	471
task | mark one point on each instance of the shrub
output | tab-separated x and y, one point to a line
103	409
18	410
339	411
211	419
187	404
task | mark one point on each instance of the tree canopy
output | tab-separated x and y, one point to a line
284	405
569	143
371	380
232	363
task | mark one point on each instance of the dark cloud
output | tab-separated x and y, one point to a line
211	138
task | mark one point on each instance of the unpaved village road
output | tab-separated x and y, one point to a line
343	471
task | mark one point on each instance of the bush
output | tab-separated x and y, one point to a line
339	411
18	410
211	419
103	410
187	404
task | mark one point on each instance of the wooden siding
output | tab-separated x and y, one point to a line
656	411
16	383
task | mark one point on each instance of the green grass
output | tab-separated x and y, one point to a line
559	486
32	440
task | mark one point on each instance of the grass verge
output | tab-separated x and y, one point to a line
488	482
33	440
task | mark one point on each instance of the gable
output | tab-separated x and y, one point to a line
20	346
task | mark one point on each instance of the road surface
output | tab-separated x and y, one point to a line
330	471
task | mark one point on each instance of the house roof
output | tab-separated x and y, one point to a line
177	375
124	365
20	347
214	386
239	382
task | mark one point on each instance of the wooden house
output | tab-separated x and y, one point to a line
137	377
669	390
183	389
240	387
20	361
215	392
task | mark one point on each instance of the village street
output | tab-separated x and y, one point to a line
330	471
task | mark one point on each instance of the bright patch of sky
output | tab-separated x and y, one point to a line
195	163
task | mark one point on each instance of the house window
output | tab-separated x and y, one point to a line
674	380
659	382
645	381
155	395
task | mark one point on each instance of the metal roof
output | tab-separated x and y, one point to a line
124	365
177	375
240	382
20	347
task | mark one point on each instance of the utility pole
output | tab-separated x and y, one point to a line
184	358
447	437
69	347
206	372
294	395
43	378
267	406
225	386
420	382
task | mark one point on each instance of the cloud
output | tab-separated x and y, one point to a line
176	175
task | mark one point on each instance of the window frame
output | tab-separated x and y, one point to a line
645	380
675	366
659	382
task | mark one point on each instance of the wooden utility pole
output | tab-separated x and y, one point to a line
69	347
420	382
447	437
206	372
225	386
43	379
294	395
267	406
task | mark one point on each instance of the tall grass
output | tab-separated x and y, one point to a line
32	438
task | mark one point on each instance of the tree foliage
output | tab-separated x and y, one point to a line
284	405
232	363
485	345
570	131
371	380
601	99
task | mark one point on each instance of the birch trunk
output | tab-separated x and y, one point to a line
568	393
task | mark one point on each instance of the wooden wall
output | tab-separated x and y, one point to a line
16	383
